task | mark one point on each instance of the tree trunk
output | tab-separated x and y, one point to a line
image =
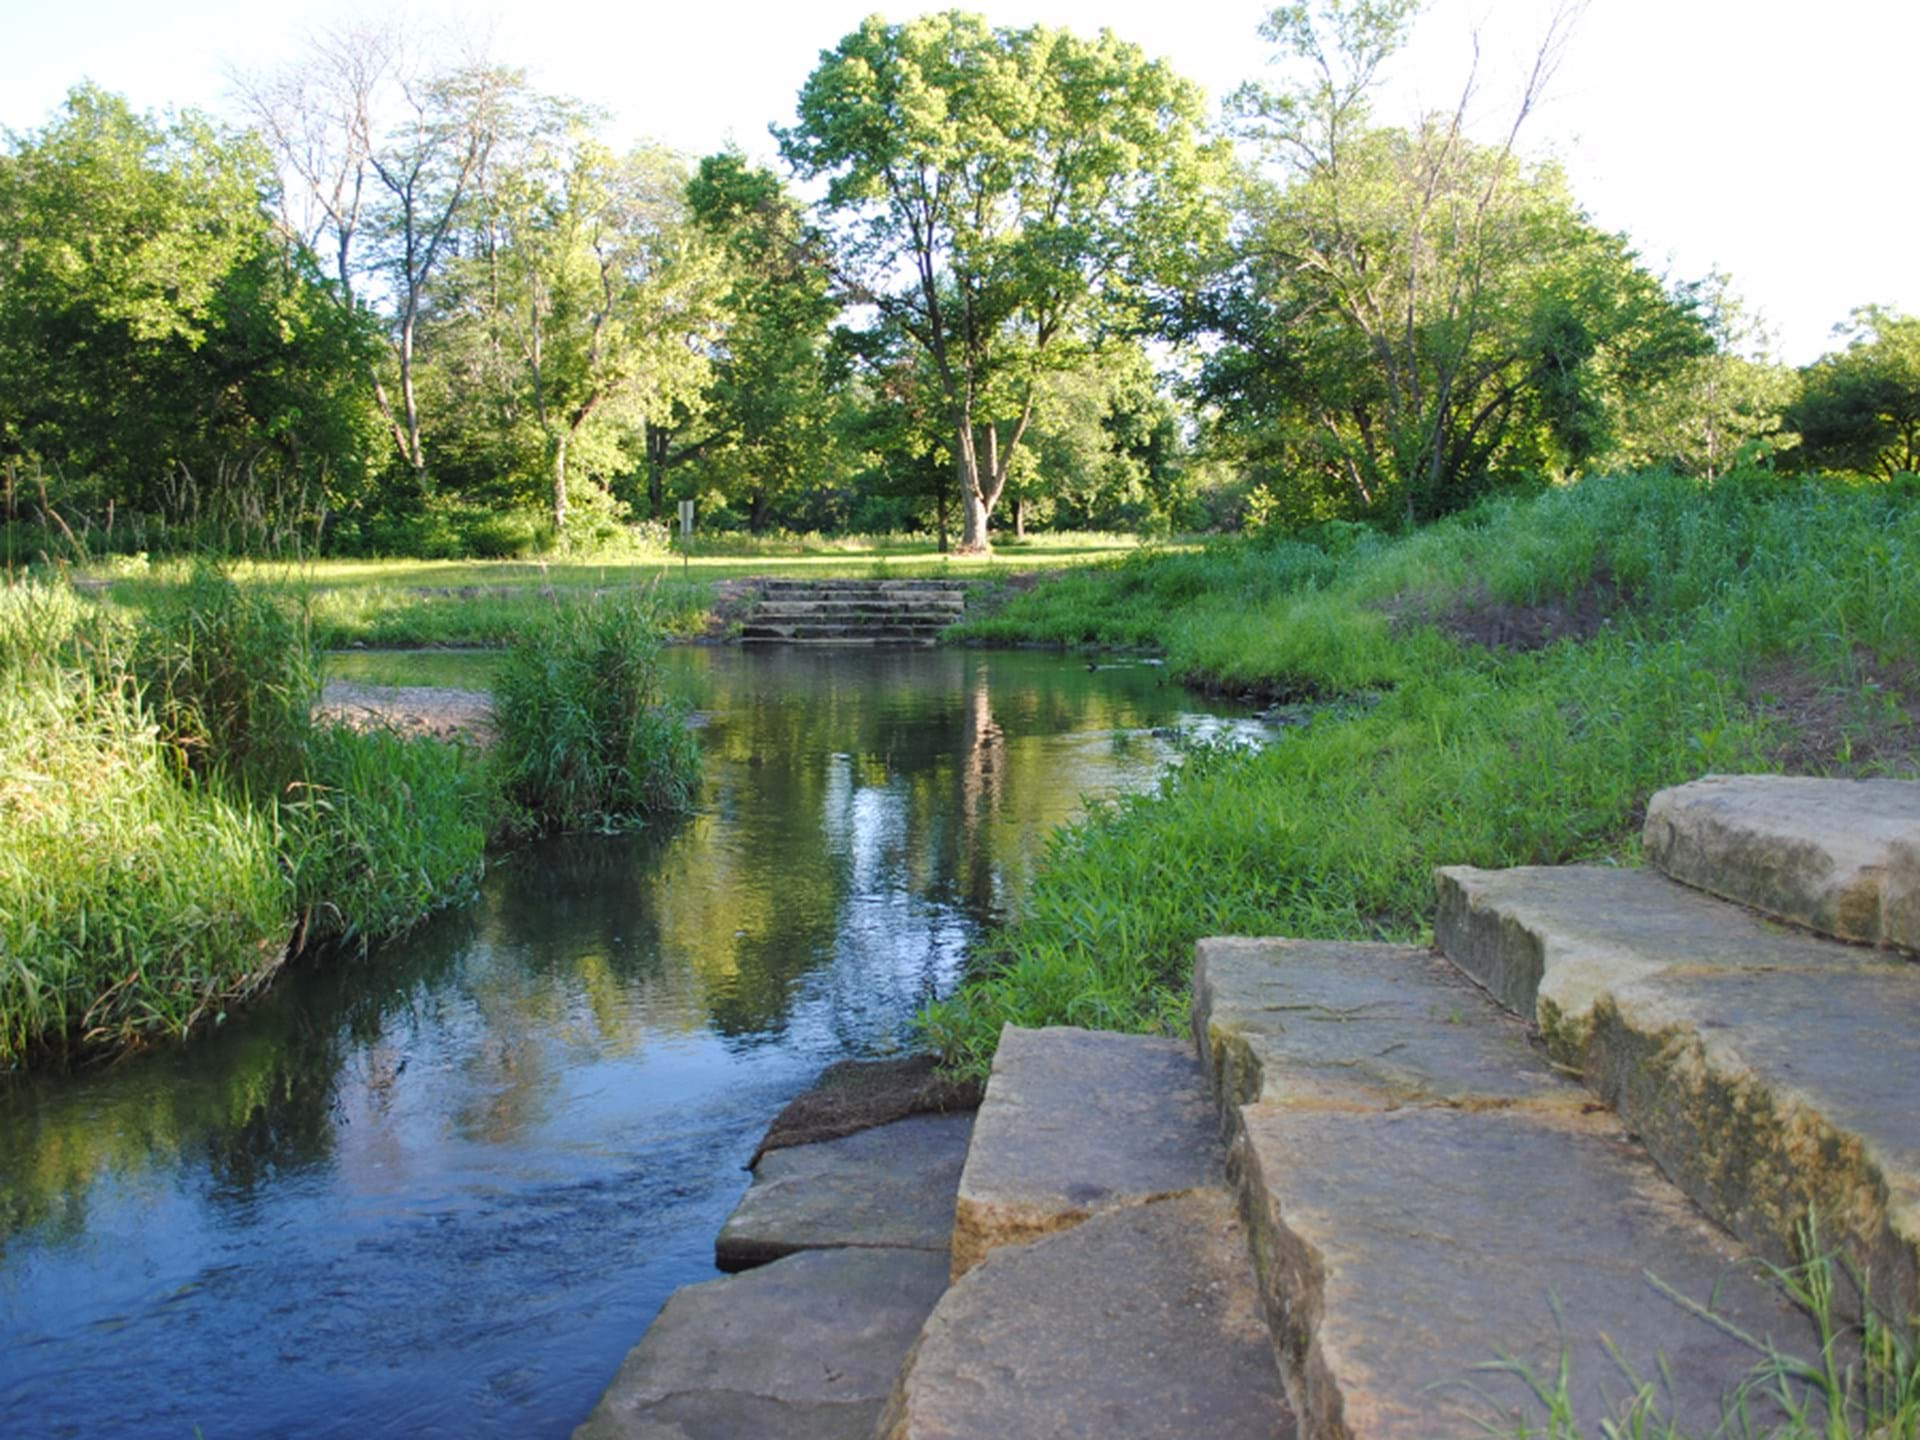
657	438
756	512
973	522
559	483
1019	518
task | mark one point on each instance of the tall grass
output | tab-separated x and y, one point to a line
131	904
171	819
584	736
1463	754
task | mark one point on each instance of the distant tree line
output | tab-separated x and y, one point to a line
414	304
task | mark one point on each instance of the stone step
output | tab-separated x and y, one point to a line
1075	1123
1838	856
808	1347
1428	1198
787	582
841	642
890	1187
810	630
1142	1323
855	609
1768	1071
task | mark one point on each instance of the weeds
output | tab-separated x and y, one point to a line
584	738
1470	756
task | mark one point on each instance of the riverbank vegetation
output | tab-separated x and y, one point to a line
174	824
1507	687
429	310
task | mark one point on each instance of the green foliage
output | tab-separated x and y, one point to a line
154	324
1409	318
131	905
584	736
1435	751
1859	409
229	677
998	194
387	829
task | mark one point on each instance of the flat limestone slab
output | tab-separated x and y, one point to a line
1369	1026
1839	856
1768	1071
1075	1122
807	1347
1553	942
892	1186
1140	1324
1398	1250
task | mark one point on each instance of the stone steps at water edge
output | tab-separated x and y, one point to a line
853	612
1838	856
853	1240
891	1187
1769	1071
877	632
807	1348
1103	1287
939	610
1426	1195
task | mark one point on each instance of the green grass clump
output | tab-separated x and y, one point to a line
584	736
131	904
172	822
1458	754
384	829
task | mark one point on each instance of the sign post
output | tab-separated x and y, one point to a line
686	536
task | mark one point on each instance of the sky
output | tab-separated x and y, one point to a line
1766	139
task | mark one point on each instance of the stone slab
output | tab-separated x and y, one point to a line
1370	1026
1140	1324
1772	1093
808	1347
1075	1122
1400	1251
1839	856
891	1186
1552	942
1770	1072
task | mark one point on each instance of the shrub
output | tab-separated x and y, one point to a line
584	737
230	678
132	903
386	830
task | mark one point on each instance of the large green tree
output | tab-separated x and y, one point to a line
1406	312
996	195
590	300
769	414
157	329
1859	408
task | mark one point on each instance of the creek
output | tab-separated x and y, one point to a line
440	1189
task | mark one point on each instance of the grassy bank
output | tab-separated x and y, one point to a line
174	824
402	603
1516	682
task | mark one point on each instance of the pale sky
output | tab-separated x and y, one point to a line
1768	139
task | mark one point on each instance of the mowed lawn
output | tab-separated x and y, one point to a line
410	602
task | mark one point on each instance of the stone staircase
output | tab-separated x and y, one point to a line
1388	1186
853	612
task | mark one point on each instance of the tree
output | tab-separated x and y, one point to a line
592	280
1714	408
383	149
1859	409
153	318
997	195
1407	312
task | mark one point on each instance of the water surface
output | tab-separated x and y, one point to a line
441	1189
